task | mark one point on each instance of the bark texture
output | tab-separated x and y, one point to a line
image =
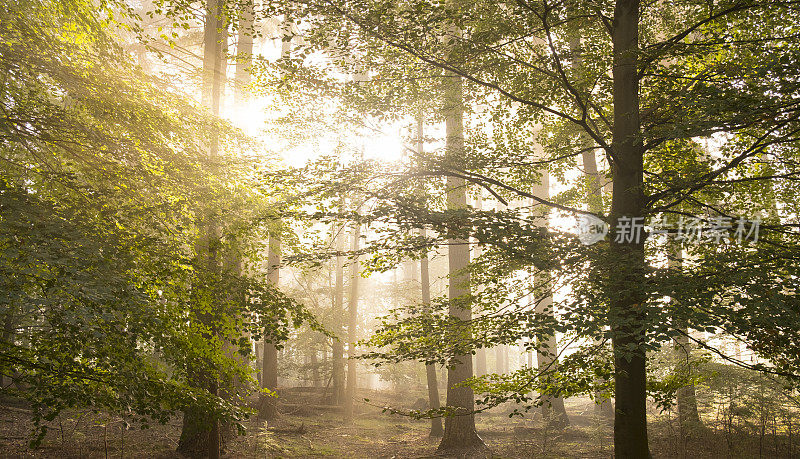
626	258
459	428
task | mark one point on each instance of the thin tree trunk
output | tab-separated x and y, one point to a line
269	375
604	409
338	347
430	369
352	322
8	334
499	364
325	367
688	415
269	372
553	410
359	77
437	430
259	361
244	54
459	428
234	265
626	308
480	362
594	184
314	362
480	353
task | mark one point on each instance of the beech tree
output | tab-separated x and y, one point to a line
269	369
134	219
459	430
553	411
201	431
101	216
652	79
693	107
352	324
430	368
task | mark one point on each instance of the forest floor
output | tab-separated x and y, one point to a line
305	430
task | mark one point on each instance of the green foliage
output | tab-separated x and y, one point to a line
719	138
107	300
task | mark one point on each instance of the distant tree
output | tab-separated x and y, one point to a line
269	370
430	368
352	323
338	375
553	411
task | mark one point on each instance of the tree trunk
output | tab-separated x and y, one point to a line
499	366
480	362
244	54
594	184
233	260
626	258
425	292
259	361
314	366
338	300
480	353
688	415
430	369
9	333
327	381
553	411
200	433
352	322
269	372
459	428
605	408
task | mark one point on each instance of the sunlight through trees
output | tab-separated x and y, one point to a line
250	228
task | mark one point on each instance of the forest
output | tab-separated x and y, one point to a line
399	228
